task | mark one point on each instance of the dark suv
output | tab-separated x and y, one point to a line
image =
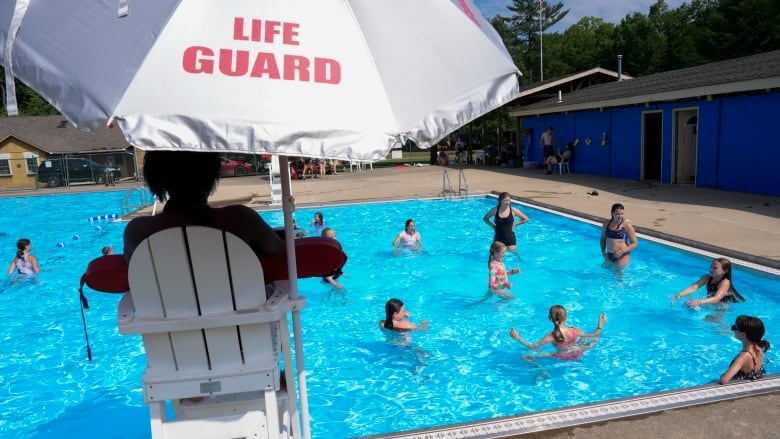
78	169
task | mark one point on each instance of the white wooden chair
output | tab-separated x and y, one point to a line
198	298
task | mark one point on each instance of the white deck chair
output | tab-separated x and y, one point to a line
198	298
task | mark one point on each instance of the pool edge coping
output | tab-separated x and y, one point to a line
591	413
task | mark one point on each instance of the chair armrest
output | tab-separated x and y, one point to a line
125	312
131	324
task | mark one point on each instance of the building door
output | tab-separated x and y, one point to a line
686	124
652	129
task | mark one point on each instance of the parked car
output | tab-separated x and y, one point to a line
236	167
77	169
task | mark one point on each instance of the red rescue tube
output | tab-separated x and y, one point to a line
314	257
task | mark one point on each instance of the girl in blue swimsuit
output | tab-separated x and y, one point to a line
749	363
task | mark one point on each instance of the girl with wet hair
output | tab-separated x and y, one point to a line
720	287
749	363
24	262
503	221
396	318
618	237
498	275
563	337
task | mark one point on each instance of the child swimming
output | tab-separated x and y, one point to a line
563	337
396	318
498	275
720	289
24	262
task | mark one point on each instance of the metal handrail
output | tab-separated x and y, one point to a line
446	185
127	207
463	185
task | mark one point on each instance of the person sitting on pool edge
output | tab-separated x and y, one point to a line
720	289
396	318
329	232
749	363
562	337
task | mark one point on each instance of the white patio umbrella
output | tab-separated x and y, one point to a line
342	79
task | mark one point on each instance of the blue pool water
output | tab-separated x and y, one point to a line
464	368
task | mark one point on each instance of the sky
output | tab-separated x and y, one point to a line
609	10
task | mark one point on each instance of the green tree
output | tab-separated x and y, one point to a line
589	43
27	100
734	28
525	25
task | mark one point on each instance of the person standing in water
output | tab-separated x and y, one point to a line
24	262
504	222
618	237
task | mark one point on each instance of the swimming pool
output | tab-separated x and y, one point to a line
358	382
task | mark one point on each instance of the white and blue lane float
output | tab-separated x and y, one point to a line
92	219
109	216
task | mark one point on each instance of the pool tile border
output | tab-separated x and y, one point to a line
595	412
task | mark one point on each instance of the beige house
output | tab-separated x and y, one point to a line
26	142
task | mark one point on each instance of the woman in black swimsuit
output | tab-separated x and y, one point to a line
504	221
749	363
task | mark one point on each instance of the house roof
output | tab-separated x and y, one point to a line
740	75
549	88
55	135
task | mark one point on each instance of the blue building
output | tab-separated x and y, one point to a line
716	126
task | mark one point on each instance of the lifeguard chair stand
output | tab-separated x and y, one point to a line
275	179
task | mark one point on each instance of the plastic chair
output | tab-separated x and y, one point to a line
563	164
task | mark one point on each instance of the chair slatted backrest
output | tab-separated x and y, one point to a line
186	273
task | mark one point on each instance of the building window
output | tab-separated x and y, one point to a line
31	160
5	164
32	165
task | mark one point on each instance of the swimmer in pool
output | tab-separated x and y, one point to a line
409	238
318	223
24	262
563	337
498	278
618	237
749	363
396	318
720	289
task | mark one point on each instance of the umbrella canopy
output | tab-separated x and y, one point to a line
344	79
323	78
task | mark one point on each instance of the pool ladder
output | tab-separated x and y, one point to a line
143	200
446	184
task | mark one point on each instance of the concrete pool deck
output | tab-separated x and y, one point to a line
747	225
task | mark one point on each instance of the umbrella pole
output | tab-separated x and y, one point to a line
288	208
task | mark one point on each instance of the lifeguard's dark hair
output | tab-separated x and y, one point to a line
391	307
184	175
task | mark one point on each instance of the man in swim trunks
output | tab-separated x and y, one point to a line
548	142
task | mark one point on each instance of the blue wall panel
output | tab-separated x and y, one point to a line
593	158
